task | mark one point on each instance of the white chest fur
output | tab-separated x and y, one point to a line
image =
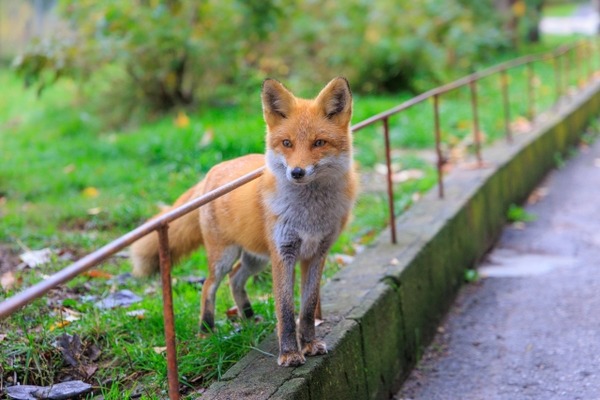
309	215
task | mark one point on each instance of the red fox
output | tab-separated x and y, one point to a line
293	212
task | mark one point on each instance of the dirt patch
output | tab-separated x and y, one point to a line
9	259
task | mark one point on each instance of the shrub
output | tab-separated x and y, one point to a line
161	55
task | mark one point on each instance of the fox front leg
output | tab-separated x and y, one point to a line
283	262
311	281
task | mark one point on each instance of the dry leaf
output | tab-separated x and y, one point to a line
33	258
537	195
90	192
94	211
182	120
69	168
207	138
382	168
343	259
520	125
407	175
159	350
138	314
96	273
519	8
122	298
8	280
232	313
59	324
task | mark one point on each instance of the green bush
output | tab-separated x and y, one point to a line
158	55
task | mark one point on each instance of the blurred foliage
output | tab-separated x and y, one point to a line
159	55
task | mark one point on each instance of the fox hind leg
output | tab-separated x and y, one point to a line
249	265
220	263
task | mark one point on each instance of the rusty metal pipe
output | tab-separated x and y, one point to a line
506	104
17	301
390	185
168	315
476	131
438	145
26	296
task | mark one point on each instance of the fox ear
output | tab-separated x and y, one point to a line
277	101
336	100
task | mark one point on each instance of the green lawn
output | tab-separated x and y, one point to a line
562	10
69	184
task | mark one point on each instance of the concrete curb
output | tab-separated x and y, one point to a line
385	307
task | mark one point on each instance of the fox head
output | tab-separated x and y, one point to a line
308	140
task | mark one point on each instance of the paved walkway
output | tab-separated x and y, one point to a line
530	329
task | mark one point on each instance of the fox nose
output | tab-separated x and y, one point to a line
298	173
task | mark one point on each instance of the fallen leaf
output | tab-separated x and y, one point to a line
97	274
159	350
69	168
90	192
537	195
59	324
2	336
182	120
519	8
382	168
122	298
232	313
33	258
343	259
139	314
8	281
520	125
407	175
94	211
68	314
207	138
63	390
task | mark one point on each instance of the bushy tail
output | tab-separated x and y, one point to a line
185	236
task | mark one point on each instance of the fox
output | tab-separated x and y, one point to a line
292	213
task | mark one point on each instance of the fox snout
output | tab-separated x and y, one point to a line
299	174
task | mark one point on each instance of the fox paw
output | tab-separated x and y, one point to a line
292	359
314	347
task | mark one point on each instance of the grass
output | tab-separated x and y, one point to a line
71	185
561	10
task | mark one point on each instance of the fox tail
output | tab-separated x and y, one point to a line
184	237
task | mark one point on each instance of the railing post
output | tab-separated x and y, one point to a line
169	318
476	132
506	104
588	56
530	92
557	76
390	186
438	145
567	72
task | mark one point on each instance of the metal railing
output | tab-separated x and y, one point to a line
565	69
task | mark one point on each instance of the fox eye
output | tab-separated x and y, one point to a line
319	143
286	143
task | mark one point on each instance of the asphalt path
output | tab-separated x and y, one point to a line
530	327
